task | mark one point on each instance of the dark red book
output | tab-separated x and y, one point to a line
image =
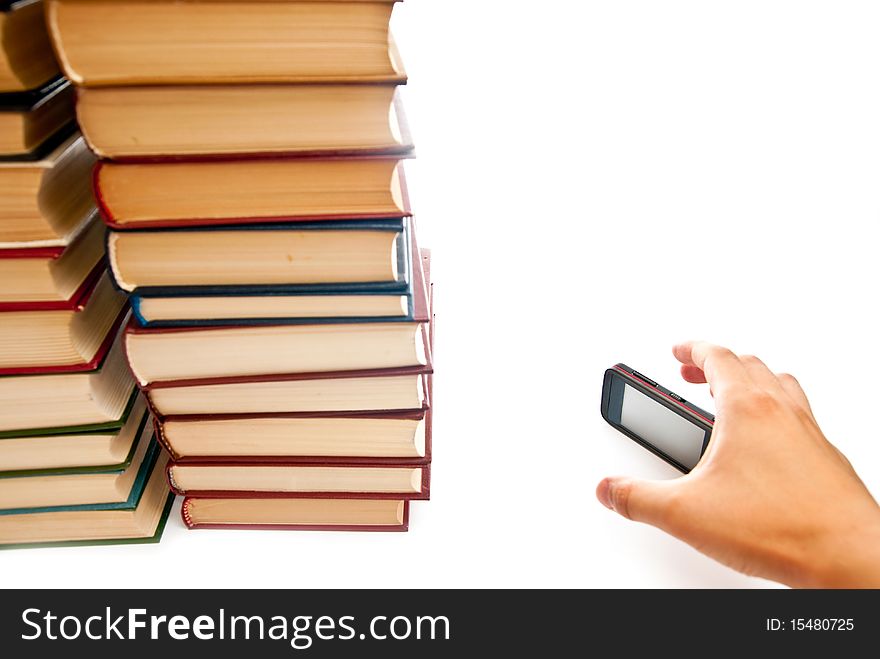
178	356
53	278
80	339
74	303
240	191
301	480
296	514
371	437
387	390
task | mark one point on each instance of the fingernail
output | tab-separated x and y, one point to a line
603	493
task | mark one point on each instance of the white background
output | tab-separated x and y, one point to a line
598	180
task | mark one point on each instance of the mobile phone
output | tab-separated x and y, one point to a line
659	419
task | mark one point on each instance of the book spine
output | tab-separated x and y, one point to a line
169	473
136	312
185	514
160	433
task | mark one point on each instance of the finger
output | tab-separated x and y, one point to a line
794	391
721	368
692	374
762	376
638	500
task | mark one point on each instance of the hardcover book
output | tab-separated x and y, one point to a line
298	514
112	487
26	57
30	120
193	354
141	519
229	192
172	42
189	122
50	403
53	278
105	447
386	438
388	390
223	306
47	202
293	479
34	342
368	256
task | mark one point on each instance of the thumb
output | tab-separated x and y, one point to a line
638	500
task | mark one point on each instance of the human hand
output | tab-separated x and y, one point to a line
771	497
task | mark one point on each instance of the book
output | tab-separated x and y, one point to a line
47	202
171	42
110	486
185	122
294	479
300	514
321	437
381	390
224	306
189	354
26	57
93	400
250	191
67	448
272	309
62	340
29	121
312	256
47	278
141	519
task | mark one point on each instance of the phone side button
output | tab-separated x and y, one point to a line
677	397
645	378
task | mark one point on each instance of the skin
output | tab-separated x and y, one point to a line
771	497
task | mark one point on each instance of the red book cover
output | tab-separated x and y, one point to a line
185	511
425	413
422	495
420	371
134	328
74	303
90	365
109	219
31	252
79	297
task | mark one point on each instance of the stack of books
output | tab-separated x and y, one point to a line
78	459
251	177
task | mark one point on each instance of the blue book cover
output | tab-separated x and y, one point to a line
410	284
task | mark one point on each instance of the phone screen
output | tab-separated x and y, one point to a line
667	431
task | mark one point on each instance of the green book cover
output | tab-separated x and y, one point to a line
104	428
134	496
156	537
92	469
137	491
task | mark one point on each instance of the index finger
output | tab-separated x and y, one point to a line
722	368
